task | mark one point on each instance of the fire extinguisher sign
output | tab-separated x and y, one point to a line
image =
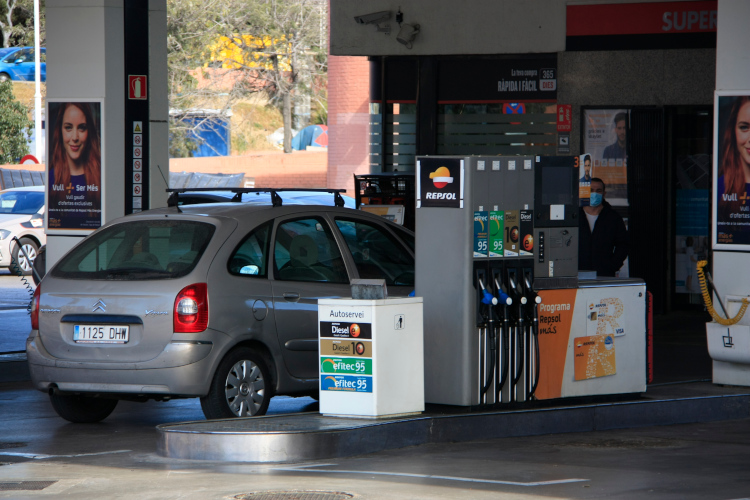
137	88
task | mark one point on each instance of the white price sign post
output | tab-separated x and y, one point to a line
371	357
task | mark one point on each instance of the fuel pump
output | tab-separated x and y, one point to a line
476	230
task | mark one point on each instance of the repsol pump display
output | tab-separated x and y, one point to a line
478	226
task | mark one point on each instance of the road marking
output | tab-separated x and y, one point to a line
307	468
41	456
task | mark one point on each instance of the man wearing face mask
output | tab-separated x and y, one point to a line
603	239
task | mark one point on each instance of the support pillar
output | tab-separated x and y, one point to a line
86	54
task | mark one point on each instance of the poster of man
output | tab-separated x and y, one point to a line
74	166
605	138
731	179
584	184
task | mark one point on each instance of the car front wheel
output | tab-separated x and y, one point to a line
241	386
19	259
4	77
82	409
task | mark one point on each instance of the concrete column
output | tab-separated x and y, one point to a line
85	60
732	270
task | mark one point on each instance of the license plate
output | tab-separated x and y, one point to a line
101	334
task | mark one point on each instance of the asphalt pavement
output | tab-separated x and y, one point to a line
42	456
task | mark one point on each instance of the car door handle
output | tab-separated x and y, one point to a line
291	296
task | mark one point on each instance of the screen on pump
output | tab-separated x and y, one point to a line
556	186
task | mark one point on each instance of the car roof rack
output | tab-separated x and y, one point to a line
173	200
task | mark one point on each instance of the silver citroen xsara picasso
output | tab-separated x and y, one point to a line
212	301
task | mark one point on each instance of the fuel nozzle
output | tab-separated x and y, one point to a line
513	287
531	295
487	297
503	297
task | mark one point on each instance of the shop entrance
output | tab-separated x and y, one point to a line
689	157
669	184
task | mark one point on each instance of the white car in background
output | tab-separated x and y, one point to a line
21	216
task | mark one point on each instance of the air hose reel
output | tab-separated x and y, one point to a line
709	304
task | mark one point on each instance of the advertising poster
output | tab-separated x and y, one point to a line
731	172
692	233
602	317
594	357
74	166
605	139
585	172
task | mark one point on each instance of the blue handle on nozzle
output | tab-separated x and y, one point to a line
488	298
504	298
413	293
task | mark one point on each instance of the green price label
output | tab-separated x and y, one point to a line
497	228
355	366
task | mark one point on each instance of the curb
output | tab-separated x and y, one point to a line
302	437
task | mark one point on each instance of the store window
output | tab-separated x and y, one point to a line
497	129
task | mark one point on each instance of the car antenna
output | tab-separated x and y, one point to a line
173	199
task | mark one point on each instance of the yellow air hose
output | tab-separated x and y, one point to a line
709	304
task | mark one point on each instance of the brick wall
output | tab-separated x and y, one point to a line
299	169
348	120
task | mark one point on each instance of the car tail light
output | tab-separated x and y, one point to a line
35	309
191	309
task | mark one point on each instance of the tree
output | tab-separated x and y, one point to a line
275	47
191	26
283	46
17	22
15	126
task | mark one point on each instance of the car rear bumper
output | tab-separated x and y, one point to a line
182	369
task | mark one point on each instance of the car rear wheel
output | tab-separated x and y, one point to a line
82	409
19	259
241	386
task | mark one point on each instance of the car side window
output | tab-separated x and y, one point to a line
250	256
305	250
377	254
25	55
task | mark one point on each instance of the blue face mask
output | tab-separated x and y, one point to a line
595	200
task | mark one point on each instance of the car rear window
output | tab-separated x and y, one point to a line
138	250
21	202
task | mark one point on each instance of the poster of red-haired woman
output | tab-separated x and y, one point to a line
74	166
731	179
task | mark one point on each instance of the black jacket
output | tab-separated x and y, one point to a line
605	250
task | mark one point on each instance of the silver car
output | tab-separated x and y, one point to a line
21	216
212	301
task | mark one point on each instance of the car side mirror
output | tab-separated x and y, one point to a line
19	61
251	269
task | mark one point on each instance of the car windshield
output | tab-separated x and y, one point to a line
21	202
138	250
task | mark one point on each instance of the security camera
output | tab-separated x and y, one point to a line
374	18
407	34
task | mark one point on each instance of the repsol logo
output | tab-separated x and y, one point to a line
554	307
440	196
